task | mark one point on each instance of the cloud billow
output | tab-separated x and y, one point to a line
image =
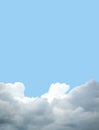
58	109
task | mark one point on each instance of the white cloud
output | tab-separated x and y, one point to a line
58	109
57	90
16	89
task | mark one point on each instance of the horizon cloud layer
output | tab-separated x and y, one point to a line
58	109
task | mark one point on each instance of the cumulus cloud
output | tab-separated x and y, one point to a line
56	91
58	109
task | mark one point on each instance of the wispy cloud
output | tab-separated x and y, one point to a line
58	109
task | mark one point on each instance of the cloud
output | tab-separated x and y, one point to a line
58	109
56	91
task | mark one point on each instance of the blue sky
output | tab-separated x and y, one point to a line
43	42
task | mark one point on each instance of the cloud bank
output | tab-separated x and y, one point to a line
58	109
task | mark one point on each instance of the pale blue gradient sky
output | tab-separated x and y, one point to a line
48	41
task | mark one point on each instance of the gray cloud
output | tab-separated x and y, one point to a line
58	109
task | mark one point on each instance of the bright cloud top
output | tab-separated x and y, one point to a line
58	109
56	91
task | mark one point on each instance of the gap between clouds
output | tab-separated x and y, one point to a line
58	109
